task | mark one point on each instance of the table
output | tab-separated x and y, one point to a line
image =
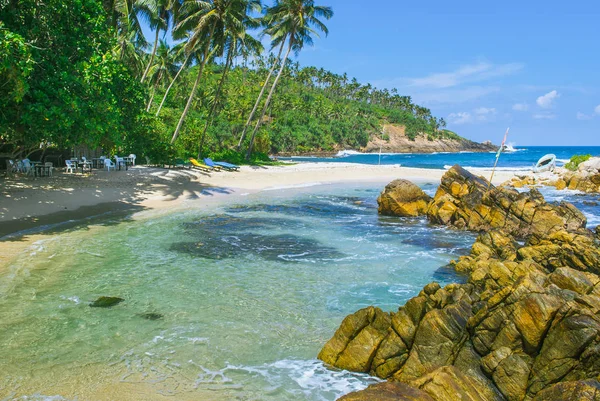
97	162
127	161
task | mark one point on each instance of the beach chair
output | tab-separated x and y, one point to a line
119	161
198	165
108	164
49	166
27	167
70	166
132	158
228	166
208	161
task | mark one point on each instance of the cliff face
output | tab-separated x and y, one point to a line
399	143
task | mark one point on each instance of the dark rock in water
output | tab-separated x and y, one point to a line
106	302
404	199
590	203
285	247
152	316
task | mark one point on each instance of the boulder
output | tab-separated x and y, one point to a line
584	390
466	201
388	391
403	198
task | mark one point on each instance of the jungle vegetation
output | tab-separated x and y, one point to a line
78	72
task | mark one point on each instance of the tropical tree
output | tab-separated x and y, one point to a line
296	21
163	69
237	42
158	13
208	24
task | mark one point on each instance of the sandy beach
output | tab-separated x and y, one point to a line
29	205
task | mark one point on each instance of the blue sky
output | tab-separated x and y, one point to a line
483	66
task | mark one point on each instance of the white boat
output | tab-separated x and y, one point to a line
546	163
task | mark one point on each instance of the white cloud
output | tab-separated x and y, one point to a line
520	107
460	118
546	101
581	116
483	111
465	74
544	116
456	95
597	109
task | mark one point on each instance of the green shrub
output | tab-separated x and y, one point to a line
575	161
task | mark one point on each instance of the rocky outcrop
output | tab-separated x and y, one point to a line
525	325
466	201
404	199
396	141
585	179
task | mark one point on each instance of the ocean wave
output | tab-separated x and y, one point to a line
345	153
306	185
515	168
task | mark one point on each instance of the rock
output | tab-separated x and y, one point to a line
403	198
584	390
354	344
388	391
152	316
106	302
525	325
591	165
466	201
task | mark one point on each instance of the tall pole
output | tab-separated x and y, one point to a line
497	157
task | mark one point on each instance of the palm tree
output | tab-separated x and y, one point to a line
180	56
159	14
164	68
208	23
260	95
236	43
293	20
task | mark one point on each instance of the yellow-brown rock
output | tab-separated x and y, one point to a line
388	391
403	198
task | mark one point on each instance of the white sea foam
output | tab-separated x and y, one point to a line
306	185
345	153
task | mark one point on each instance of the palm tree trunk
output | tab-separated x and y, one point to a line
154	91
262	91
152	55
193	92
268	99
171	85
217	94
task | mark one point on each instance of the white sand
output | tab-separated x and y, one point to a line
26	201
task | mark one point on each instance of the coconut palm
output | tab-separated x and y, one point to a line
180	56
208	23
237	44
158	13
296	21
164	68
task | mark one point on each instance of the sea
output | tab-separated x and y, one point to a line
521	158
231	301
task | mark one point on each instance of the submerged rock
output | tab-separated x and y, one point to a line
106	302
403	198
525	325
152	316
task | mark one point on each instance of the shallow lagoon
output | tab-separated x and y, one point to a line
241	298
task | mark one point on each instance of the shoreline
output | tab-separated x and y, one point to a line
33	209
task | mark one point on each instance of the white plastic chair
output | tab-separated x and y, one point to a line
119	161
27	168
132	157
108	164
49	166
70	166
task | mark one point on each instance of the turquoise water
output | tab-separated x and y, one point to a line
243	297
523	158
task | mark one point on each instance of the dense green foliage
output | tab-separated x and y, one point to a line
575	161
81	72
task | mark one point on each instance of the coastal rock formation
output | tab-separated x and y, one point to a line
524	326
585	179
466	201
397	142
403	198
